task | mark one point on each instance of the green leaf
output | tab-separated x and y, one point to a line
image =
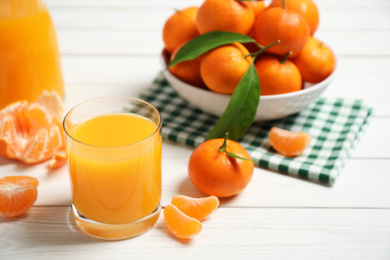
241	110
205	42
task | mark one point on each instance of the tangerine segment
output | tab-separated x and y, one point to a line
196	208
58	160
289	143
179	224
31	132
17	195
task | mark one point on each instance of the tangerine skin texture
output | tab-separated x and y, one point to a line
180	28
216	173
258	6
288	26
307	8
222	68
277	78
225	15
316	61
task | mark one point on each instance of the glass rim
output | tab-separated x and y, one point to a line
112	97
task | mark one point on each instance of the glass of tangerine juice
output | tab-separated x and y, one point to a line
114	160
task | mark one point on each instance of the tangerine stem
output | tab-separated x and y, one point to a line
285	57
254	54
284	4
223	149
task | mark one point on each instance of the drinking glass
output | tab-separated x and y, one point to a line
113	147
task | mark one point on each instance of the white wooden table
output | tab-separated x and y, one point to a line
113	47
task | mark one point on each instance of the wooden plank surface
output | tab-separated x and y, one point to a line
172	3
138	42
139	19
363	184
230	233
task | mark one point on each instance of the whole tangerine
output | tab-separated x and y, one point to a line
222	68
188	71
225	15
316	61
288	26
307	8
277	76
180	28
216	173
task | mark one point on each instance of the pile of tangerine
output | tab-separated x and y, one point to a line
283	68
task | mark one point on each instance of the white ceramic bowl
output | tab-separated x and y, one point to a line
270	107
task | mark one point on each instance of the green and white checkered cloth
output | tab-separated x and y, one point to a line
334	124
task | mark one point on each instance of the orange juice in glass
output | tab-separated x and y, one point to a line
29	56
114	161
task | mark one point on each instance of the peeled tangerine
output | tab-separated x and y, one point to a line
31	131
289	143
17	195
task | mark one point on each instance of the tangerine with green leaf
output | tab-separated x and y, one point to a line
223	67
220	167
188	71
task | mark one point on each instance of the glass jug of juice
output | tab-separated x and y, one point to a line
29	56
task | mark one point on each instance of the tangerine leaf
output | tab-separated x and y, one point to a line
241	110
208	41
